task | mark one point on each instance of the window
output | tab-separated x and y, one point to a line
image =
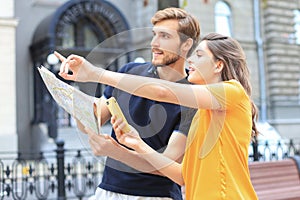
90	38
83	33
68	40
162	4
223	18
297	25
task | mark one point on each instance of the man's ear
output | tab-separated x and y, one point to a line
187	45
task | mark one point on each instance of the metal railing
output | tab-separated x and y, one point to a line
74	174
273	149
58	174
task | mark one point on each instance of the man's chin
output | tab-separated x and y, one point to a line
160	65
157	64
166	62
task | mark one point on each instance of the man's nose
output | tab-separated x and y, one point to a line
155	42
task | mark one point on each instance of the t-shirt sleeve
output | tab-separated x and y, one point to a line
228	93
108	91
187	115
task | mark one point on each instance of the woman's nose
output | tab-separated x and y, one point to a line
190	61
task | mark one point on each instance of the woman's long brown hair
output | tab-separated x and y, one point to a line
230	52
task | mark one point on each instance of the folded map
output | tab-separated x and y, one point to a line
78	104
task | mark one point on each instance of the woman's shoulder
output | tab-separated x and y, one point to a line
234	83
235	87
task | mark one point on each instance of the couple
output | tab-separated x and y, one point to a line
212	161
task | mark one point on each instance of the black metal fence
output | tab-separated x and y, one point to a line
269	150
74	174
58	174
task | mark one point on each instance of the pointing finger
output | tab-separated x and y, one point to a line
59	56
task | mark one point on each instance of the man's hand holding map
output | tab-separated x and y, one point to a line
75	102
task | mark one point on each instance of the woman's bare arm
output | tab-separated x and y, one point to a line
194	96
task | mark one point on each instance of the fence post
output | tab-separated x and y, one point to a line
255	149
60	156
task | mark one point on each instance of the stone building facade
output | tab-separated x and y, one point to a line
265	28
282	58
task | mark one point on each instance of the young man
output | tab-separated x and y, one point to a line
162	126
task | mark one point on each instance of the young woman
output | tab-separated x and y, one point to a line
215	164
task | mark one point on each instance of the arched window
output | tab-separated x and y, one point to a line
297	25
83	33
68	40
223	23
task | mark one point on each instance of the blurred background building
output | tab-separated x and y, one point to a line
269	31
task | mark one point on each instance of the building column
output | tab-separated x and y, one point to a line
8	128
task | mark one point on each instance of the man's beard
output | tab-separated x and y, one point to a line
168	61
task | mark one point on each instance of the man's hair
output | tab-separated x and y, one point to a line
188	25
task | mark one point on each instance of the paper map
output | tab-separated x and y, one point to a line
74	101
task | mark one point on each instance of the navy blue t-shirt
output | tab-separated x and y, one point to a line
155	121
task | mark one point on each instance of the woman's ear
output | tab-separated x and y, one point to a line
219	66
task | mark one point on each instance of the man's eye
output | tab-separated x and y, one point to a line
166	36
